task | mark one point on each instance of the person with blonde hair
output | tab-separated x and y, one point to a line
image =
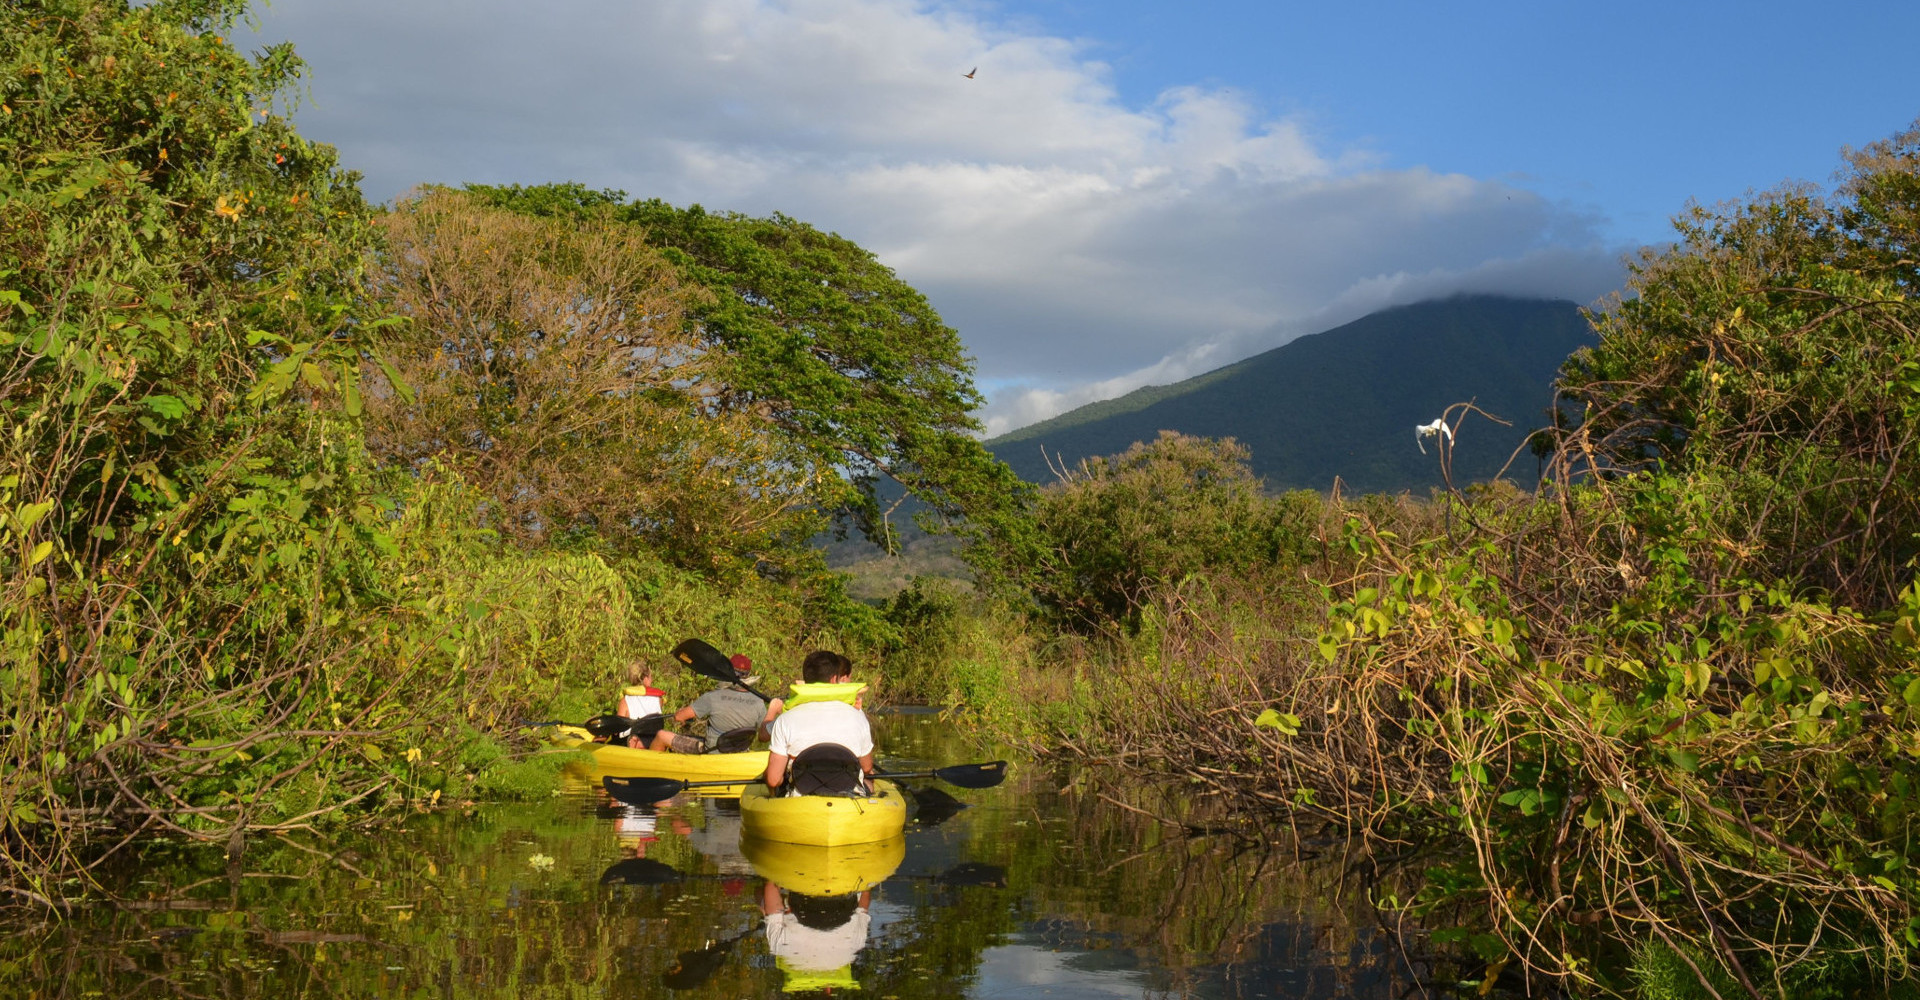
639	699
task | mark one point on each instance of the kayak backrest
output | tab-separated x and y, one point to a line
826	769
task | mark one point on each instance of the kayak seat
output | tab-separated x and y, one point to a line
736	740
826	769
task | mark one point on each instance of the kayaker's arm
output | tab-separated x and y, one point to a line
774	708
776	769
771	902
866	764
685	714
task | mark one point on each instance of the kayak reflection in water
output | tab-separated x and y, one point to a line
814	939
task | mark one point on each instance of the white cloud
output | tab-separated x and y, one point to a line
1081	246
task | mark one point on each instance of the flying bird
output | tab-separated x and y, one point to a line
1436	429
969	73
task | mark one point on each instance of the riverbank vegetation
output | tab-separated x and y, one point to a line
306	503
1657	716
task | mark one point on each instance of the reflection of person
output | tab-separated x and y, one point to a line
725	709
820	722
814	933
638	826
635	829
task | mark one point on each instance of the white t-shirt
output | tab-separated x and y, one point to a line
812	950
821	722
636	823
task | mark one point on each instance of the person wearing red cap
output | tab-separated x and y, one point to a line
724	709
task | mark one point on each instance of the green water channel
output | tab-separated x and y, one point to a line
1061	883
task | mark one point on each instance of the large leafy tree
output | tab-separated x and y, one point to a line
549	361
816	335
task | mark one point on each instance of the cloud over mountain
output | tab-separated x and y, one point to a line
1080	245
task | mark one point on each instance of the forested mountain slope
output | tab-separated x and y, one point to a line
1345	402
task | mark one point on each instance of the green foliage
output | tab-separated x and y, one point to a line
1670	698
1774	350
184	516
1113	530
215	613
849	361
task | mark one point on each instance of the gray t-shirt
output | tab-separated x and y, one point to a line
726	709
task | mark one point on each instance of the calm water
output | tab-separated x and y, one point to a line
1058	884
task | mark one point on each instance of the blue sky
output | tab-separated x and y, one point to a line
1625	108
1129	192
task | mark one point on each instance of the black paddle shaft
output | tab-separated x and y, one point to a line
645	791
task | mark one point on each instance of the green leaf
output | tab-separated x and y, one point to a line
1287	723
27	515
170	407
355	405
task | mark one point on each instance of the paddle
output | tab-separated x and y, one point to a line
640	871
932	807
710	662
608	726
645	791
694	968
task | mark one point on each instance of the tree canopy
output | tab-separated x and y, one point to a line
548	361
850	362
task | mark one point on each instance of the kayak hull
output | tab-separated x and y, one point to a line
823	820
825	871
635	763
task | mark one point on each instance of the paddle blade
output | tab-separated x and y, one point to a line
642	791
640	871
973	873
932	807
706	661
974	775
648	726
696	967
603	726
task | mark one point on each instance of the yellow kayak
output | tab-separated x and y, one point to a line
823	820
634	763
825	871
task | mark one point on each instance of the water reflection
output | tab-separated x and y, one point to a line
1058	884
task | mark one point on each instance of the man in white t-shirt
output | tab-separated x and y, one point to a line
837	722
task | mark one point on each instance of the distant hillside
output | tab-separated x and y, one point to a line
1345	402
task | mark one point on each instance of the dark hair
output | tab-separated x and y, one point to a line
822	913
823	665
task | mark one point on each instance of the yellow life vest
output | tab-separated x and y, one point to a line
804	693
798	980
